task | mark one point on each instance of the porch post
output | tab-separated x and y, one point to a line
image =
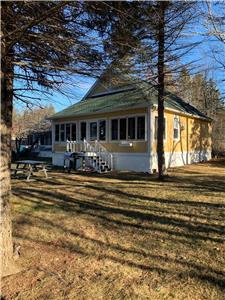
149	137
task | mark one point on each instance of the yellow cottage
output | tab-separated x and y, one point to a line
115	127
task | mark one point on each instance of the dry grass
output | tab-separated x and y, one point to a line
121	236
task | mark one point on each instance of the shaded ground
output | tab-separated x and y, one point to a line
121	236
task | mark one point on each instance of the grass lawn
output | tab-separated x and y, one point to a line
120	236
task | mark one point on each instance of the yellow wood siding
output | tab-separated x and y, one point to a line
137	147
195	134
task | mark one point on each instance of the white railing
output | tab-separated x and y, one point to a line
104	154
97	149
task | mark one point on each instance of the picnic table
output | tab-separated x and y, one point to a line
30	166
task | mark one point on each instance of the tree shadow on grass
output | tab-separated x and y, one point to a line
191	269
118	210
133	214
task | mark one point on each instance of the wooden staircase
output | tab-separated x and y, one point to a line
94	155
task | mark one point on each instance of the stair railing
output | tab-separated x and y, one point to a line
104	154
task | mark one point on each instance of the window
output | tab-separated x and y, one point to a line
62	132
131	128
57	133
83	131
102	130
93	131
73	132
156	128
123	129
176	128
68	132
114	129
140	128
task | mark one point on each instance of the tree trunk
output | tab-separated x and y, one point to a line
161	86
6	243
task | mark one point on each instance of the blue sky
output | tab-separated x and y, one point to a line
79	85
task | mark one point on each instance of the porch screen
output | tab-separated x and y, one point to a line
102	130
93	131
123	129
114	129
83	131
140	128
57	133
131	128
68	132
73	132
62	132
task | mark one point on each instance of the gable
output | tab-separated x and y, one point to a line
118	92
108	83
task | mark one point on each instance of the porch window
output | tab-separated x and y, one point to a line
57	133
123	129
102	130
83	128
140	128
176	127
114	129
73	132
62	132
156	128
131	128
93	131
68	136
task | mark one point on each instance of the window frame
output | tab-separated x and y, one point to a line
89	131
88	121
135	128
178	129
98	130
87	125
127	117
65	124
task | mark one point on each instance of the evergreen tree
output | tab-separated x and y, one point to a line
43	42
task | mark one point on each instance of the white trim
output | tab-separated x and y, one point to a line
179	128
88	121
149	134
59	123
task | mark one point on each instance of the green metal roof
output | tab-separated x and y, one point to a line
137	96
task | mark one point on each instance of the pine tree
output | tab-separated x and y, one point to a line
42	44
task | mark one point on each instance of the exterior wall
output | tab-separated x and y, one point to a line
125	157
138	162
194	144
137	147
45	154
111	146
